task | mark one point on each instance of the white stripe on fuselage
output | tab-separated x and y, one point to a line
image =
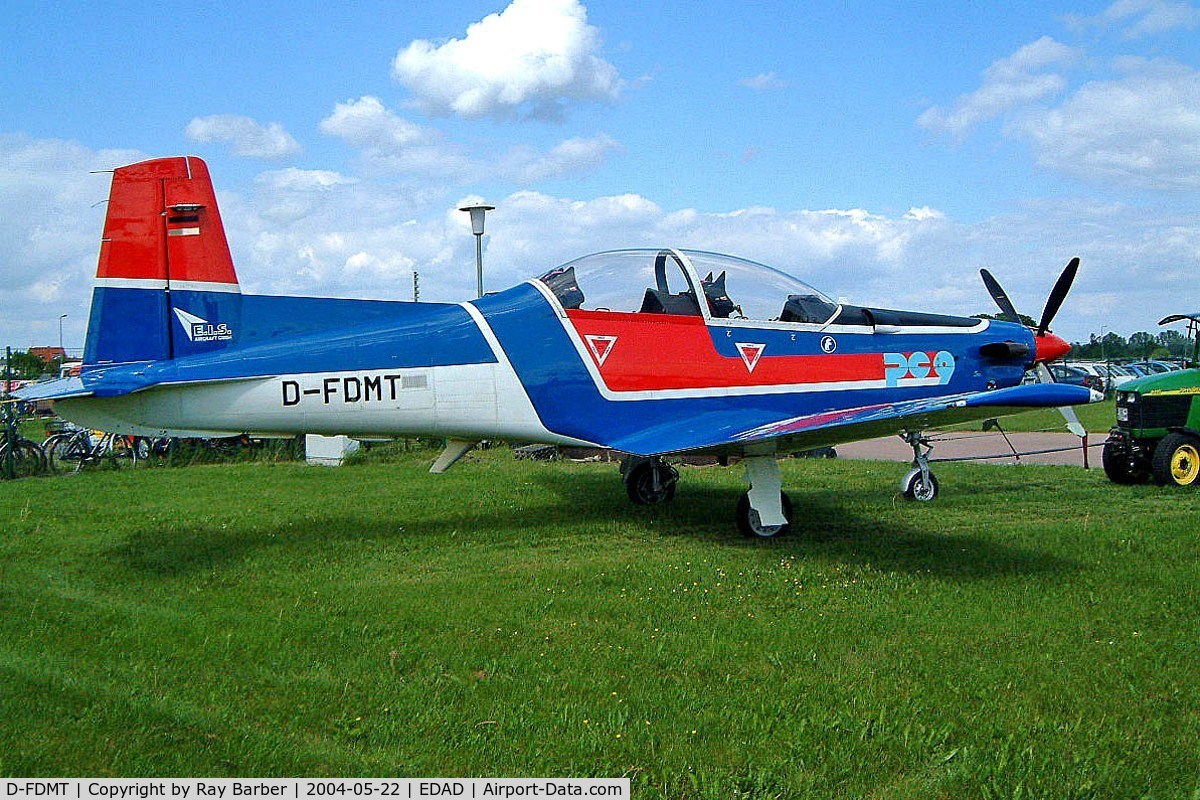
163	283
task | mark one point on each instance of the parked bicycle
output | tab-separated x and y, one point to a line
27	457
71	450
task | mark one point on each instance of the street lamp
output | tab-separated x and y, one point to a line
61	317
477	213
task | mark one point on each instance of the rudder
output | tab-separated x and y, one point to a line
165	282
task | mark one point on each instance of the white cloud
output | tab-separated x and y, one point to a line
1140	18
292	179
245	136
528	60
763	81
1012	82
1141	131
366	123
53	216
390	144
527	166
323	233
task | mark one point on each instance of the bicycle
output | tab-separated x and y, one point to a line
27	457
71	450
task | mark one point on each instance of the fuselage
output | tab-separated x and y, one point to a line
517	365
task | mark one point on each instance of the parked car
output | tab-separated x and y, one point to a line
1138	370
1118	375
1110	376
1064	373
1154	367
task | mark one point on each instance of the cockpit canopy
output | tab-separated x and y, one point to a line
664	282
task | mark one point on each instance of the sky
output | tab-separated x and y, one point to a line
883	152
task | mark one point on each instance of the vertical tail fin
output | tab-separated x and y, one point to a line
165	283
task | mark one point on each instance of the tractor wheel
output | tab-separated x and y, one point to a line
1120	466
1177	460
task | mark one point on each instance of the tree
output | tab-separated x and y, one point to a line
1141	344
26	366
1027	321
1175	343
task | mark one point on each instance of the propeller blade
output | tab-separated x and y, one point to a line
1007	309
1073	423
1057	295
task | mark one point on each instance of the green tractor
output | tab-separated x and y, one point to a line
1158	424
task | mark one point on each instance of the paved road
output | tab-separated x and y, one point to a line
975	444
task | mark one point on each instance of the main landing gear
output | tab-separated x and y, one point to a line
648	481
763	511
919	483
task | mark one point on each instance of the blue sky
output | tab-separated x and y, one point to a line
883	152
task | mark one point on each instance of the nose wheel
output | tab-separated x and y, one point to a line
763	511
749	520
919	483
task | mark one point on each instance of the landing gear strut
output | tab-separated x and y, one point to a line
919	483
648	481
764	511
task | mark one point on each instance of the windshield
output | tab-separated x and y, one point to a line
658	281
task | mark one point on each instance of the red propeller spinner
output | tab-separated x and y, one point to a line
1049	347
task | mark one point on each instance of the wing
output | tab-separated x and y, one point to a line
722	432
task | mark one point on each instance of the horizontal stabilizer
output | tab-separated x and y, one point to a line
53	390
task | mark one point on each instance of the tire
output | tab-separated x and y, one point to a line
1120	467
27	459
915	488
1176	460
66	451
139	448
749	524
639	483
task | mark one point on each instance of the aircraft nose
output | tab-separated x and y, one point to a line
1049	347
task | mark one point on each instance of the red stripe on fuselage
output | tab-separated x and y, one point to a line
659	352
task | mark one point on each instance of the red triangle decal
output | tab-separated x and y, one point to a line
751	353
600	346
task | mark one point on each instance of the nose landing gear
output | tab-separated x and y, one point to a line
919	483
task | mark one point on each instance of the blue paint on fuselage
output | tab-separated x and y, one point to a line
569	403
284	335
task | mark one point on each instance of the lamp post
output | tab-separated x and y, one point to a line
61	317
477	213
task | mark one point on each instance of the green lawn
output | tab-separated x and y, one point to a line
1032	633
1096	418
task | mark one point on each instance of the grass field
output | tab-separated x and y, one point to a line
1096	418
1032	633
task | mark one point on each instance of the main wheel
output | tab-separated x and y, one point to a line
1177	460
1120	467
651	483
916	488
66	451
27	459
750	524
